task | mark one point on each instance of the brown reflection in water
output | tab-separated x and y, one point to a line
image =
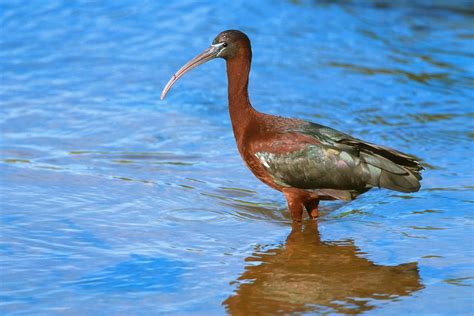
308	275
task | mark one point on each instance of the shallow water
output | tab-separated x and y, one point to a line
113	202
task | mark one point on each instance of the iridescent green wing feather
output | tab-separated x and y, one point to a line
341	162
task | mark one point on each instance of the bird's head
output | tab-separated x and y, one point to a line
226	45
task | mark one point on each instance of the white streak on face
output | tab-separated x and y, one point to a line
218	47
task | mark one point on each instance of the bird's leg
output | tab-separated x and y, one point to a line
295	205
312	208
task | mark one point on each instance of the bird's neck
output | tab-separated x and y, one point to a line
240	110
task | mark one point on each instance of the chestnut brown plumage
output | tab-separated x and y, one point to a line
308	162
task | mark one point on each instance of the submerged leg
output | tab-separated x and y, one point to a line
295	206
312	208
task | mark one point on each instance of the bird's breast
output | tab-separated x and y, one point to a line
255	166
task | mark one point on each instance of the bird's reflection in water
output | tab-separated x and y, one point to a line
308	275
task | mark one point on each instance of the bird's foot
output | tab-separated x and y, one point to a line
312	209
297	215
296	221
313	213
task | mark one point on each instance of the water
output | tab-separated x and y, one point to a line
113	202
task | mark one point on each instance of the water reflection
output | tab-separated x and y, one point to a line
308	275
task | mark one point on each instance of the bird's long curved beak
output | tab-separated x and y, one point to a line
208	54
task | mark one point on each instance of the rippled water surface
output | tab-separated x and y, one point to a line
113	202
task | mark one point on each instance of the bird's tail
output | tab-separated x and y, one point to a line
391	169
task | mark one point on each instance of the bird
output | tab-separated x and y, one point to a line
306	161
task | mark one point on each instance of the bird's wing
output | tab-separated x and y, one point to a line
338	161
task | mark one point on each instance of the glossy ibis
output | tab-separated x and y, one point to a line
308	162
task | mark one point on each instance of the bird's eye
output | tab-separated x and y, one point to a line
224	44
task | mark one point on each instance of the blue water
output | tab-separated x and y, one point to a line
113	202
